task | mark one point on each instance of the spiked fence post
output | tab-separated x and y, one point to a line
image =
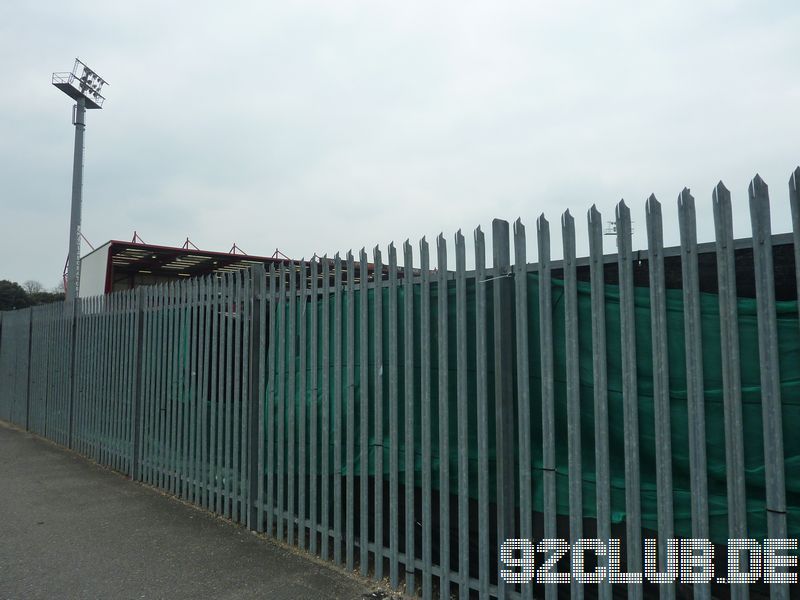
271	400
138	389
378	378
772	416
73	351
523	387
258	361
462	405
425	419
394	429
482	416
600	392
350	409
794	201
444	419
505	411
363	363
409	421
731	376
337	410
291	404
695	390
661	408
547	390
313	418
30	370
302	428
630	401
572	353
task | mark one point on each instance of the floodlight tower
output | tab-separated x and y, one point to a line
84	86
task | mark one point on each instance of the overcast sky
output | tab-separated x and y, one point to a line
318	126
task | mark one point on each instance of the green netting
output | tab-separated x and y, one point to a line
789	349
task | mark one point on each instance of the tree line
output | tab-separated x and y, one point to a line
31	293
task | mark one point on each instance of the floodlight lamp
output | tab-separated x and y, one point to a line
81	83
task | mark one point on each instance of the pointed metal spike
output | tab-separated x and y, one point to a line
519	228
566	218
721	204
542	222
720	197
622	209
459	237
477	234
376	254
794	180
349	255
652	205
593	215
685	199
758	188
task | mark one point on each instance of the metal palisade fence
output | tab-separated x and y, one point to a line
405	421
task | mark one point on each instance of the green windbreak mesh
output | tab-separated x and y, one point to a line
789	351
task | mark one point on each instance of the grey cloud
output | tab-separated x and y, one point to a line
317	126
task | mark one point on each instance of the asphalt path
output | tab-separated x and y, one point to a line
72	529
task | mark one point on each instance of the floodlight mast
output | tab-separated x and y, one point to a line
84	86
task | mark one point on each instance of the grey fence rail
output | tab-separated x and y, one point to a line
405	422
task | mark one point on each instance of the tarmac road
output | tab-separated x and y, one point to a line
72	529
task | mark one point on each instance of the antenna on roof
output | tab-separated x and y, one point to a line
611	228
188	243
